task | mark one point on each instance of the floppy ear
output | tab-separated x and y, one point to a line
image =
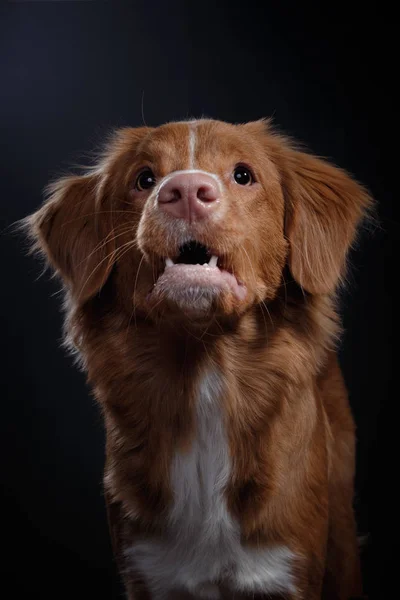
324	207
75	239
74	228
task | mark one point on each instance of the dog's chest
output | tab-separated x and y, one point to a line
199	477
202	543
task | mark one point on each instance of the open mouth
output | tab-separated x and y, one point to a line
195	277
193	253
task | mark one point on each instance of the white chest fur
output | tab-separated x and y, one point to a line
202	541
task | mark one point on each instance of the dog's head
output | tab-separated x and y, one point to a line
196	220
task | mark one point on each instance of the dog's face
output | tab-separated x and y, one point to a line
211	224
196	220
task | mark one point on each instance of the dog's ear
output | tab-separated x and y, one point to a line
74	230
324	207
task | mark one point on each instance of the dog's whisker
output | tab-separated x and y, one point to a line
115	254
111	237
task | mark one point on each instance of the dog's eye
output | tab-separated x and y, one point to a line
145	180
243	176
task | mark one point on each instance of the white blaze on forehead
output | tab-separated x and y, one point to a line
192	143
192	140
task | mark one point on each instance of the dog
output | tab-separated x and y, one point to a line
201	263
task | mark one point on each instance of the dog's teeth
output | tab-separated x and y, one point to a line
213	261
169	262
205	265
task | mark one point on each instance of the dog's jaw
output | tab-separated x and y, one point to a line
193	289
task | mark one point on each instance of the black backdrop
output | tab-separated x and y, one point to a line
69	72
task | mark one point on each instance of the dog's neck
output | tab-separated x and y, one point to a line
148	375
178	352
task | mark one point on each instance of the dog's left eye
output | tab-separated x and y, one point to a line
243	176
145	180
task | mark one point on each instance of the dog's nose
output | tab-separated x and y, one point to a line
190	196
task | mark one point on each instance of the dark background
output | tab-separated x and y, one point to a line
70	71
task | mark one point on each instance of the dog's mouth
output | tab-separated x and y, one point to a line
193	253
195	276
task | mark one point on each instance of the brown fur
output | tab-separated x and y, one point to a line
290	429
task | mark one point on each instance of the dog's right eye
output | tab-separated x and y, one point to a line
145	180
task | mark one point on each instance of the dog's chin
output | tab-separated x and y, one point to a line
196	292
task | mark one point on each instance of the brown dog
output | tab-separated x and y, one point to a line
200	262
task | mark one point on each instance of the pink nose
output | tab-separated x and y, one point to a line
190	196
